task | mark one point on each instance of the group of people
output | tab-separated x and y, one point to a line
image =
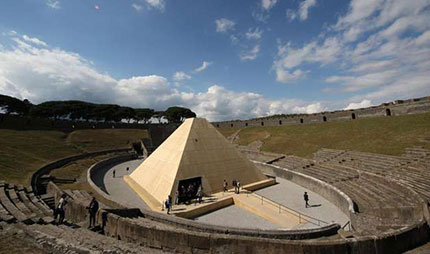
114	171
185	194
236	185
59	211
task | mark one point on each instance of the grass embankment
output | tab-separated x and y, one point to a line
78	170
23	152
383	135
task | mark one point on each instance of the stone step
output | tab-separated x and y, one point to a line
12	209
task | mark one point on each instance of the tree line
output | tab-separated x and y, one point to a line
81	110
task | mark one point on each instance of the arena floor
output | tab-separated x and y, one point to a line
286	193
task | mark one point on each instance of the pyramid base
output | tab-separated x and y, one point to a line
143	194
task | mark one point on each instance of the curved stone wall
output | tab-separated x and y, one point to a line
398	107
185	237
45	170
99	169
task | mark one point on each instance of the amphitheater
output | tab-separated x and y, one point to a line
360	202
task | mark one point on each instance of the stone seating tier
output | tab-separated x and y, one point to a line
17	205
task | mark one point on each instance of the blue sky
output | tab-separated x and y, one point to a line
224	59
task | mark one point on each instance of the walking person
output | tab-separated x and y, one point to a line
306	198
238	187
234	185
92	210
225	186
60	209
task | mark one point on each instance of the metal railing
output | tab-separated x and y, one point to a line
281	208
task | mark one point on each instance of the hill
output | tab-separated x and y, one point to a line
384	135
23	152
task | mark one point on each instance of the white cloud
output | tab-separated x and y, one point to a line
251	54
53	4
268	4
224	25
310	109
180	76
362	104
137	7
203	67
44	73
254	34
286	77
156	4
379	47
303	11
34	40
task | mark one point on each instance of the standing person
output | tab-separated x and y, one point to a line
238	187
177	198
225	186
199	194
234	185
306	198
60	209
113	173
92	209
168	204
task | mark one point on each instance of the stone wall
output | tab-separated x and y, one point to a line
398	107
123	225
191	237
96	172
329	192
45	170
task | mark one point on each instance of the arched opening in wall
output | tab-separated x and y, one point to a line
324	119
388	112
231	125
262	123
217	125
246	124
353	116
280	122
301	120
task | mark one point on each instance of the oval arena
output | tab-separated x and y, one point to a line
360	202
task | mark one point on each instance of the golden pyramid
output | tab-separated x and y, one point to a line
196	150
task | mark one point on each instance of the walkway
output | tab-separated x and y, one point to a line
285	193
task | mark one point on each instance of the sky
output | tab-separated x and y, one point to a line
223	59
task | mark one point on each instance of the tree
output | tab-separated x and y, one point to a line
159	115
14	105
144	114
178	114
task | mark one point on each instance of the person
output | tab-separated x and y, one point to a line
60	209
238	187
92	209
225	186
167	204
177	198
234	185
113	173
199	194
306	197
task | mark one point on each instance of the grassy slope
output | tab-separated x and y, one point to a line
384	135
23	152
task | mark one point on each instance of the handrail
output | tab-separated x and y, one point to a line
346	224
288	210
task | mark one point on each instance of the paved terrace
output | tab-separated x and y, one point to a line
285	193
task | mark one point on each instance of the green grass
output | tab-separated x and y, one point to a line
384	135
23	152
